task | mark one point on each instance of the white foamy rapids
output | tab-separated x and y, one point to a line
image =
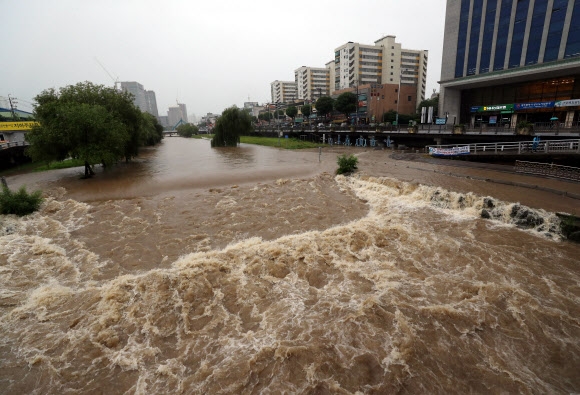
419	296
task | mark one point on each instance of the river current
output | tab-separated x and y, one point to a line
254	270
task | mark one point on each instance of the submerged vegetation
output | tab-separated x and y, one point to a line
347	164
20	203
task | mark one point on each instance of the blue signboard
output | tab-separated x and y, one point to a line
440	121
540	104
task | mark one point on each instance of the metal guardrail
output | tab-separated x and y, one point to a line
13	144
547	169
520	147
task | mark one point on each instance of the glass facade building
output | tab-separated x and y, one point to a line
512	52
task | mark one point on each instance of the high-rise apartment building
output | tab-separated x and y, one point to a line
283	91
312	83
385	62
144	100
511	60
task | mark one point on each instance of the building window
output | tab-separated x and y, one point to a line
409	98
573	43
462	38
502	34
487	36
519	31
474	40
536	30
555	30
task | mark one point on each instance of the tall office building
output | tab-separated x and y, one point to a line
283	91
151	101
144	100
511	60
385	62
312	82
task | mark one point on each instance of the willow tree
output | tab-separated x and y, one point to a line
230	126
89	122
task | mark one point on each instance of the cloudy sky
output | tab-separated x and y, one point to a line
208	54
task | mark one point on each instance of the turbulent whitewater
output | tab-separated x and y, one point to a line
411	291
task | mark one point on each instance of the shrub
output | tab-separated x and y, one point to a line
346	164
19	203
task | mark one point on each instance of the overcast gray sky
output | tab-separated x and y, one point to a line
208	54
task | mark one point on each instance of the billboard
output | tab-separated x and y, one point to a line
10	126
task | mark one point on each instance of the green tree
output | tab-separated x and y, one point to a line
89	122
152	130
324	105
291	111
187	130
346	103
306	110
230	126
430	103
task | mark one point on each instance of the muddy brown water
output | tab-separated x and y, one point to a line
257	270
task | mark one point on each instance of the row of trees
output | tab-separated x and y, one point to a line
346	104
93	123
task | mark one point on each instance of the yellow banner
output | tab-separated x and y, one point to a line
9	126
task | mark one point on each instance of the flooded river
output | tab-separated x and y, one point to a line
258	271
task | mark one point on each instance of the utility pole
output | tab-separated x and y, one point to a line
13	107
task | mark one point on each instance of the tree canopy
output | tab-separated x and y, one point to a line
187	130
306	110
89	122
230	126
291	111
346	103
324	105
430	103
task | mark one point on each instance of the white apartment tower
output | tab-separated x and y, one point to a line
385	62
312	83
283	91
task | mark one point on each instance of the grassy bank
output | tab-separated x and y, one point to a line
290	143
36	166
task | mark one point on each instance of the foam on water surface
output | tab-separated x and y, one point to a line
419	295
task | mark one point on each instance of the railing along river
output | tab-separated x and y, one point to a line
548	169
519	147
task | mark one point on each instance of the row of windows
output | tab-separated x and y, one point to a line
483	27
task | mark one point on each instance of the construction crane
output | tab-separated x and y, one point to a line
115	80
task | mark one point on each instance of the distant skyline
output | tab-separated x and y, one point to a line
210	55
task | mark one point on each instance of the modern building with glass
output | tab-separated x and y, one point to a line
508	61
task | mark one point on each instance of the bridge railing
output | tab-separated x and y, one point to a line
547	169
6	145
520	147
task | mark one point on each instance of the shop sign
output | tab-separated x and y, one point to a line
493	119
440	121
495	107
568	103
533	105
498	107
